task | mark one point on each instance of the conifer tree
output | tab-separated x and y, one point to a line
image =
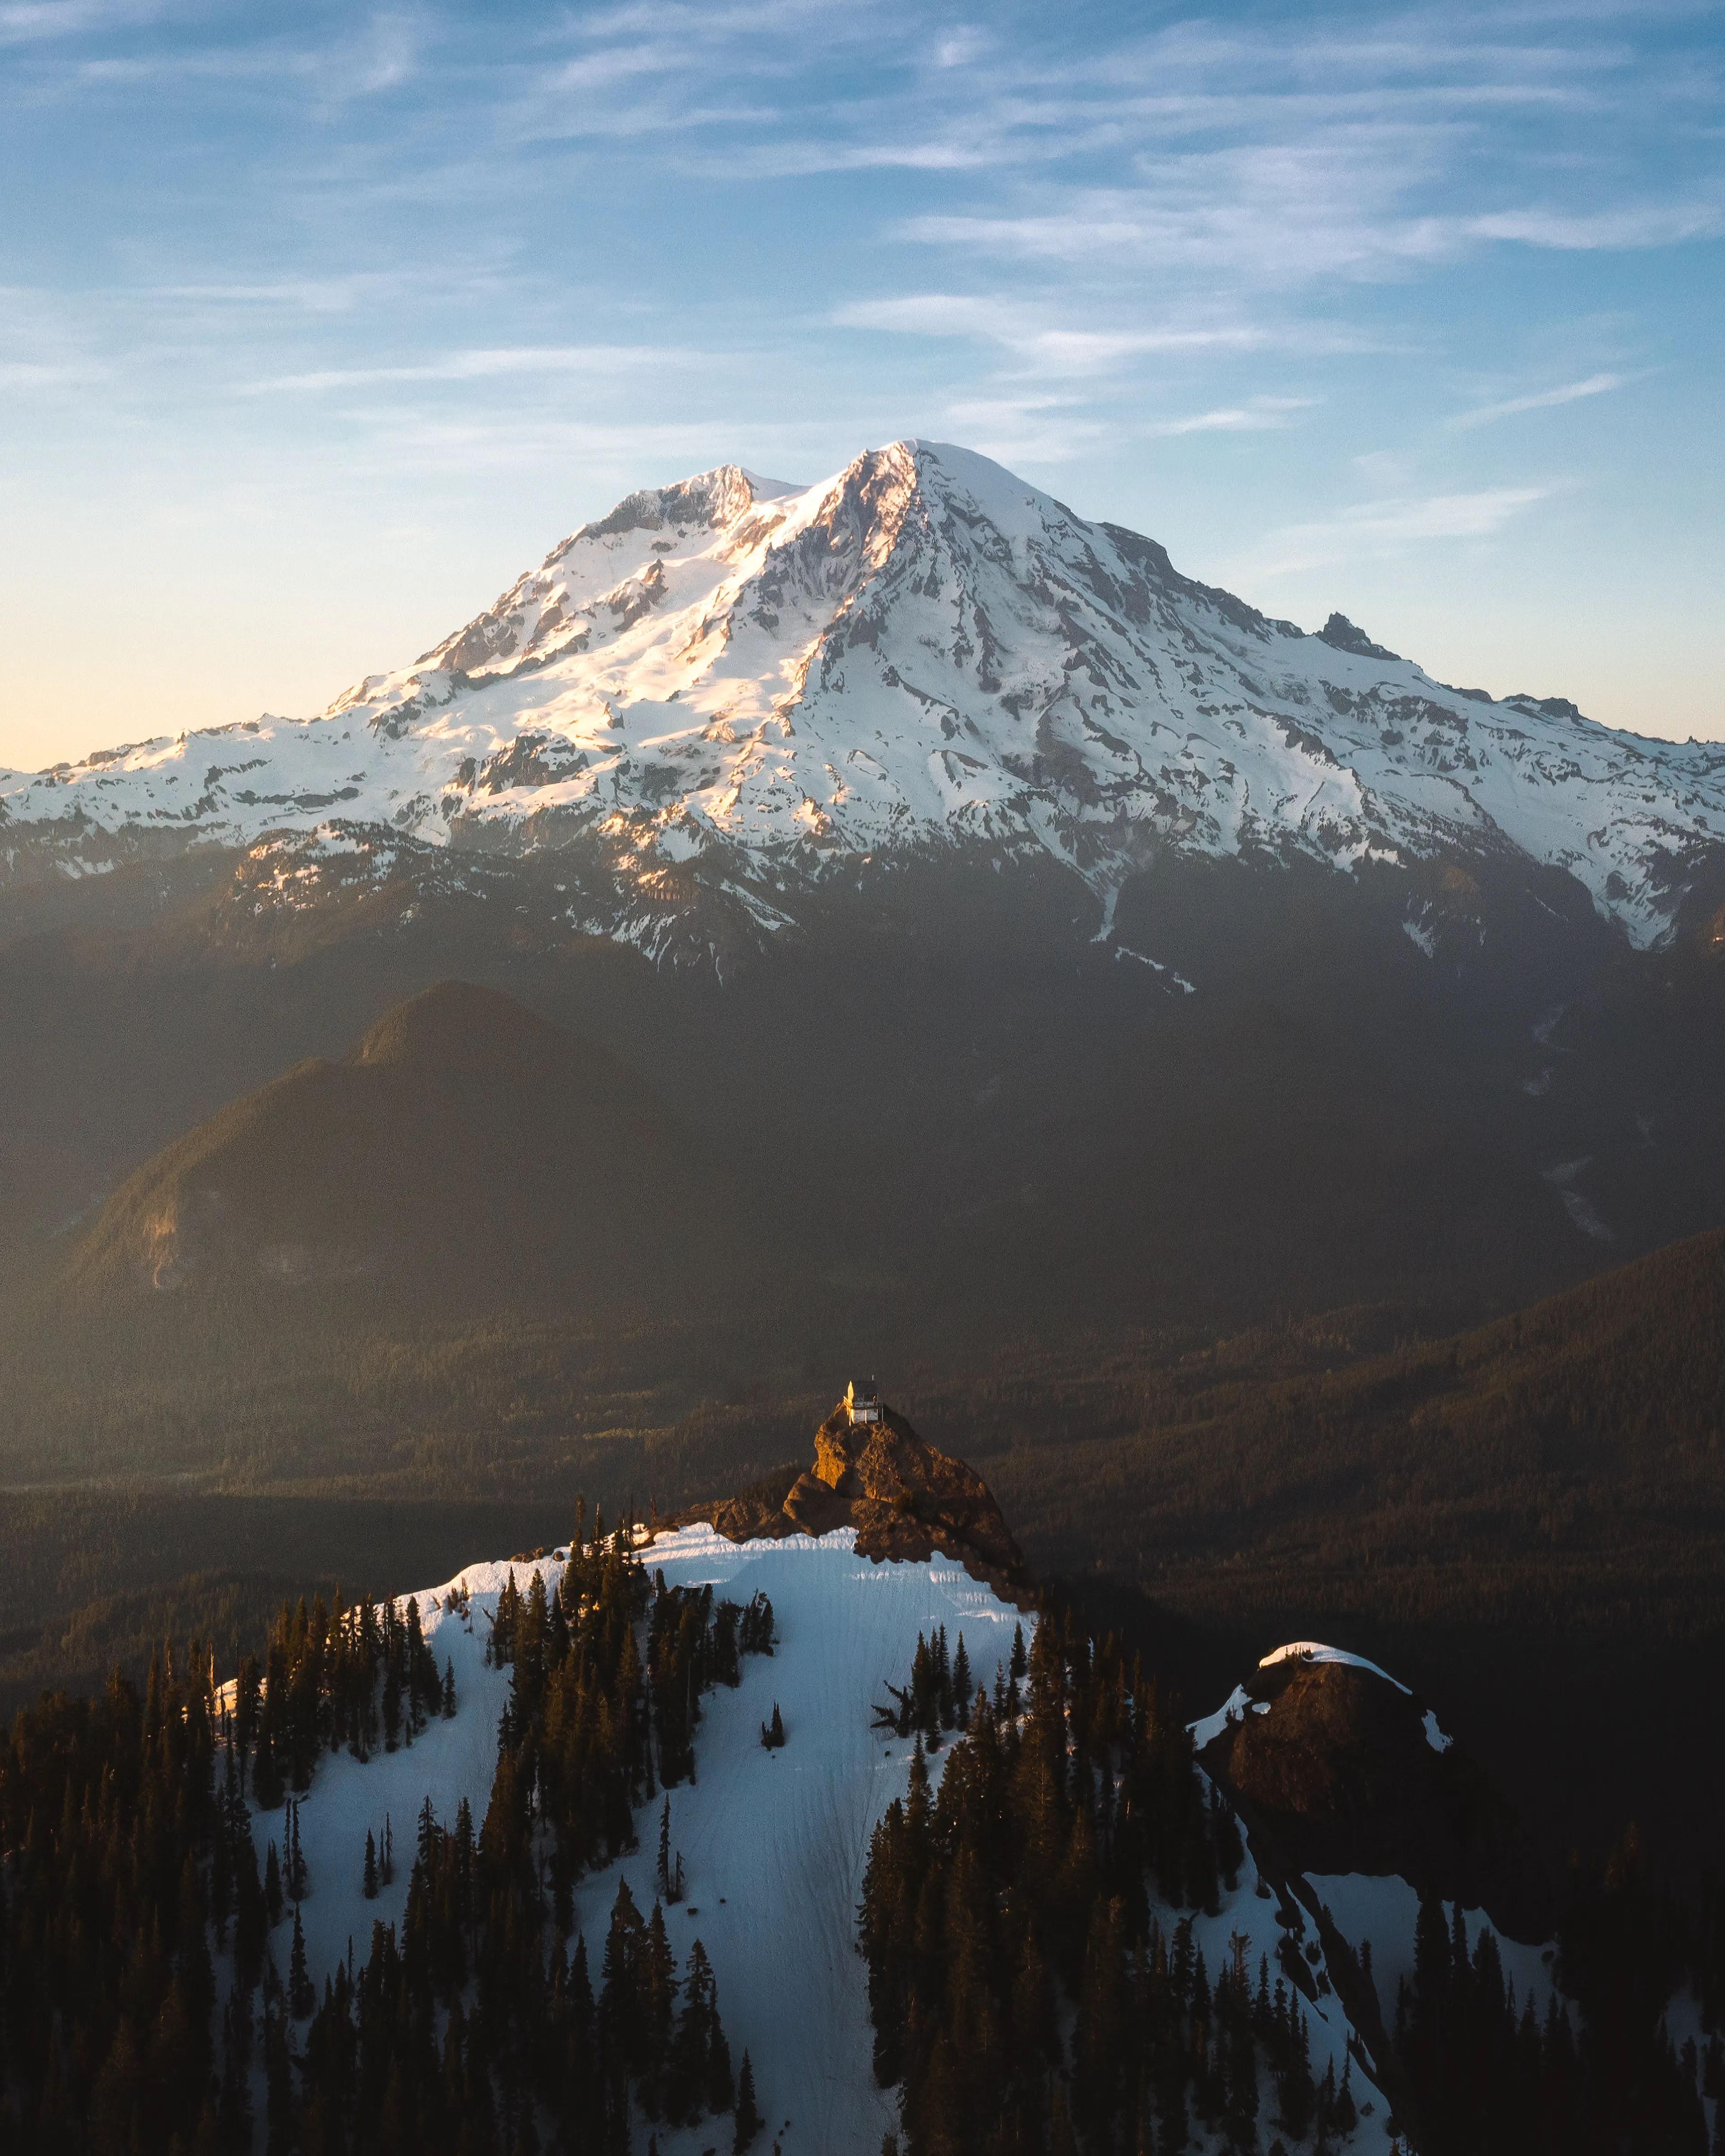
720	2087
1346	2117
618	1993
296	1880
656	1990
370	1880
749	2121
426	1842
302	1998
278	2079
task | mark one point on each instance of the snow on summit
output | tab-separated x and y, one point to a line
758	683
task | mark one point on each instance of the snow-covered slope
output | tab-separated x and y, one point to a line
729	687
773	1843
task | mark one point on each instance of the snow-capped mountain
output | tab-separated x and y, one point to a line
729	691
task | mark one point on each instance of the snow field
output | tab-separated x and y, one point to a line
1244	1913
774	1844
1239	1703
1384	1910
1315	1650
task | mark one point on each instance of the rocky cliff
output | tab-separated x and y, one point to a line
905	1499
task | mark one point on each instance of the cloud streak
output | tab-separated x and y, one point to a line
1370	530
1540	400
1263	415
485	366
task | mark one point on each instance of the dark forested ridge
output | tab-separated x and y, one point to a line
463	1151
1527	1520
1331	1119
1034	1985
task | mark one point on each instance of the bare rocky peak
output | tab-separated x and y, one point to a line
907	1500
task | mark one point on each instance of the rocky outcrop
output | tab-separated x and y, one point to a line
907	1500
1331	1768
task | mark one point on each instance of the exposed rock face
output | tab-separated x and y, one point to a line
1333	1771
906	1500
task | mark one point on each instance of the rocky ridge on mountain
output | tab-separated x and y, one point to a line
907	1500
1335	1766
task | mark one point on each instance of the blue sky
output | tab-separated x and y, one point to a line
316	325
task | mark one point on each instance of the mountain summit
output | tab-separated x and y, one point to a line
906	1500
728	692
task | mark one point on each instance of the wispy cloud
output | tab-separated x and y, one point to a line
1262	414
485	366
1567	393
1030	330
627	238
35	21
1701	216
43	349
960	48
1369	529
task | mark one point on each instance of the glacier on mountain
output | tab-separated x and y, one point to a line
732	685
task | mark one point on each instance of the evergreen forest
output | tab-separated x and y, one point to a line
1034	1985
153	1975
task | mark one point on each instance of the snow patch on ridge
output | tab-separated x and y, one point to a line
447	1761
1315	1650
773	1844
1238	1704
